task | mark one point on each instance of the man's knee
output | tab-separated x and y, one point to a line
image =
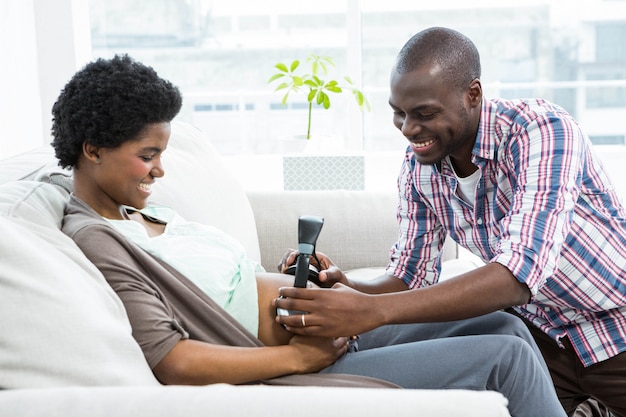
525	356
507	324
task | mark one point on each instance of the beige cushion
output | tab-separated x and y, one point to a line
40	203
359	230
26	165
61	324
199	185
359	227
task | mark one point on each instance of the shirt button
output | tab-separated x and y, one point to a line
479	221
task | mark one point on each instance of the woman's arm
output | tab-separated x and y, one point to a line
192	362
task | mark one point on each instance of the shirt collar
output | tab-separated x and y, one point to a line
485	145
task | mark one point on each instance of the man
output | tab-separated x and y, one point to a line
516	183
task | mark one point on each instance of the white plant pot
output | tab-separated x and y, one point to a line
295	144
316	145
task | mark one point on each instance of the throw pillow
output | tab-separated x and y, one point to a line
60	322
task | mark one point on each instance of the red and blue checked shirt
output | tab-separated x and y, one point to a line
543	207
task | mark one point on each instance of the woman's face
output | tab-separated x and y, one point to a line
125	174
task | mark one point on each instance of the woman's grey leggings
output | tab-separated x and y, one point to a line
492	352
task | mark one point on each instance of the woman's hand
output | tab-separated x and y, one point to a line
329	273
288	259
316	353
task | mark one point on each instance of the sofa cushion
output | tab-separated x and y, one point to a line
60	322
40	203
202	188
26	165
259	400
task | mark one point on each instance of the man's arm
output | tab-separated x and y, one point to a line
484	290
343	310
379	285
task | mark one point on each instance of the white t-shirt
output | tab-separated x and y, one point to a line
467	185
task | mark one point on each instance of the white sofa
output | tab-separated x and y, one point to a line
65	343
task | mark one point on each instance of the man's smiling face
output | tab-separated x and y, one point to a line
433	116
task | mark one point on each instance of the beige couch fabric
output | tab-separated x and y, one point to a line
60	322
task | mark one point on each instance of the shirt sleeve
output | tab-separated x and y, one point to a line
416	256
545	161
155	327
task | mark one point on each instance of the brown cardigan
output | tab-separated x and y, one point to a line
165	307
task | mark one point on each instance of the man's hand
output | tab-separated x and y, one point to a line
329	273
332	312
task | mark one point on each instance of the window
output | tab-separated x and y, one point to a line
221	55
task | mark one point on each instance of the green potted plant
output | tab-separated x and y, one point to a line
311	170
293	78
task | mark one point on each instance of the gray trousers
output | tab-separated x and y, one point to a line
492	352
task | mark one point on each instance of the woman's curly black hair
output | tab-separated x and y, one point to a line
108	102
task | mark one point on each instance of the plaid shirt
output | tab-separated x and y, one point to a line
543	207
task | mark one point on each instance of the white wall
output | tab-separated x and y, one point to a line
42	42
20	104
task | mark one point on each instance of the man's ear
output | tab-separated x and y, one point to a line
91	152
475	92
